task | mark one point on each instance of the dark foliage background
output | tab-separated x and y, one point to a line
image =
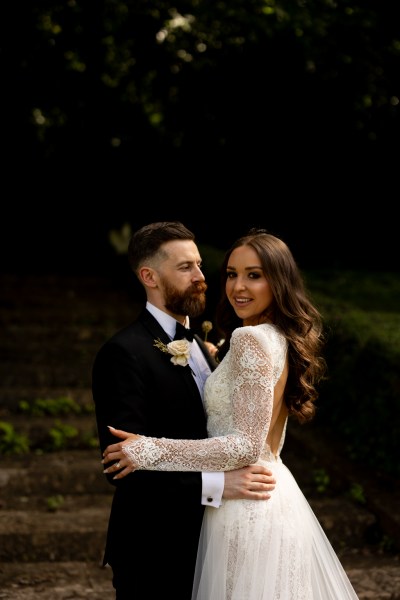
279	113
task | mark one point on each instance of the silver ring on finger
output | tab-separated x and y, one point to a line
118	465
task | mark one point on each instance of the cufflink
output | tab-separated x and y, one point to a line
209	499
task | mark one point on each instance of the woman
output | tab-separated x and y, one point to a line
270	371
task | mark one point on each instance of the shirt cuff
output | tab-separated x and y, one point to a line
213	488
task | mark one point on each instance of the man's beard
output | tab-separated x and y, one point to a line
191	302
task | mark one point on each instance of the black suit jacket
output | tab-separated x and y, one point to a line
155	516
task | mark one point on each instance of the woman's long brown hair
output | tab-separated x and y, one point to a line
291	311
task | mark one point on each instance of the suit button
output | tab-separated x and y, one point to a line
209	499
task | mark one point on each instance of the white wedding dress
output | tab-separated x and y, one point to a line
251	550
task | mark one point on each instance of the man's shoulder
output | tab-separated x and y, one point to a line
130	331
143	328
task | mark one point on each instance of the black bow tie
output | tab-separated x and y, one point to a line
183	332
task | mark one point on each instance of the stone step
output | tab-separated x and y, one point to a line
54	507
52	329
74	481
69	580
50	374
48	362
36	536
71	472
56	498
64	299
374	578
45	289
30	531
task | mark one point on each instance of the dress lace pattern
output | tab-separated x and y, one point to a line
238	398
250	550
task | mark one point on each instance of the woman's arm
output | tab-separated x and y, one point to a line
252	401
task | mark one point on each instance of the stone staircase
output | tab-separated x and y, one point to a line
54	500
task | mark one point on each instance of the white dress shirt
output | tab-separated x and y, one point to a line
212	483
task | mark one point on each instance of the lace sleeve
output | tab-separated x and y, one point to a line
251	381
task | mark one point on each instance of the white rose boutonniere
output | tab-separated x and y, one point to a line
180	350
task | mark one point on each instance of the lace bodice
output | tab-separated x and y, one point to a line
238	399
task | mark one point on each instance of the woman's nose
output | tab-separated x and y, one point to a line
239	283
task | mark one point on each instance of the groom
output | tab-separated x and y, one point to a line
156	516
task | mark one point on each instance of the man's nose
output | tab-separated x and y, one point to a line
198	274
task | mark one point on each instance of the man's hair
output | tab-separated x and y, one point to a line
146	242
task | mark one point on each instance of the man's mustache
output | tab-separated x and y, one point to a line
199	287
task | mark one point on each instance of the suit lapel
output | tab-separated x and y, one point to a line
157	332
212	363
154	327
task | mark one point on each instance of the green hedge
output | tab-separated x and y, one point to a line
360	401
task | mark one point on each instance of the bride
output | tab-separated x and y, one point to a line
269	369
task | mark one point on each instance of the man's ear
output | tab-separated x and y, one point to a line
148	277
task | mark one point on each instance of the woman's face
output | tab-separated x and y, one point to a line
247	288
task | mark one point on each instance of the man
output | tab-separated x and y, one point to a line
156	516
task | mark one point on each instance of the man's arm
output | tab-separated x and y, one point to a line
254	482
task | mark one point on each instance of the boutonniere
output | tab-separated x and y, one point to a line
180	350
212	348
206	327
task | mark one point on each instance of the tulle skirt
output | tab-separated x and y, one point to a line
268	550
